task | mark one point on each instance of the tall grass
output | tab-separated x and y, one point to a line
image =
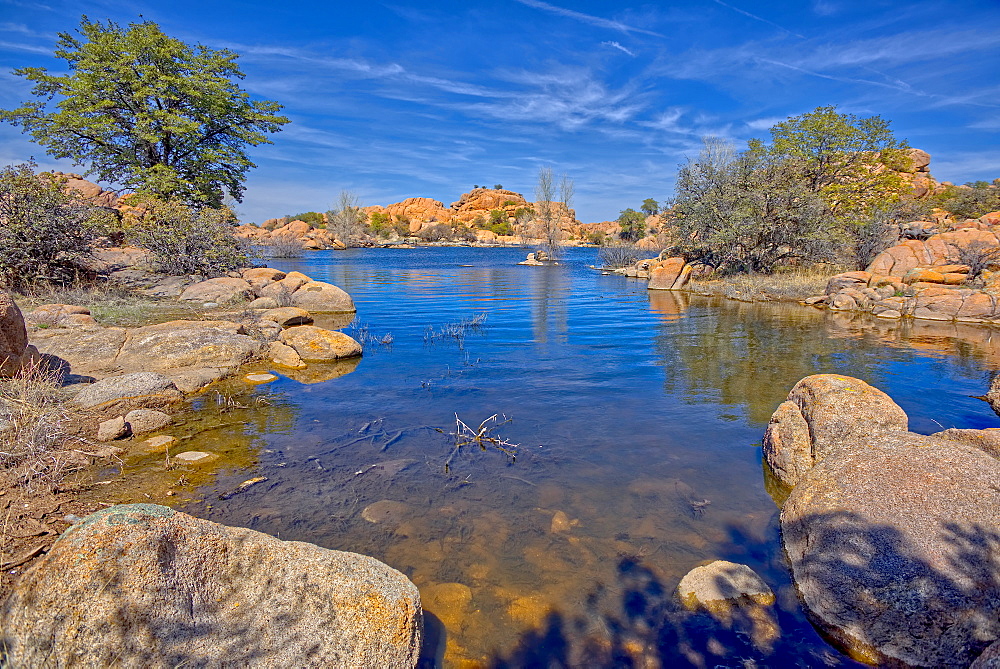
34	428
786	286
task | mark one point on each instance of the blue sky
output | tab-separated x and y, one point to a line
401	99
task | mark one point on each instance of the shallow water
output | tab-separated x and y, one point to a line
638	417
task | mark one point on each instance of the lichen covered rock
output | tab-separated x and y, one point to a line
141	585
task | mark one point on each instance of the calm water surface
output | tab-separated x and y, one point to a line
638	417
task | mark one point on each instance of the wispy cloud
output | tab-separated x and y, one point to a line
30	48
758	18
617	45
588	18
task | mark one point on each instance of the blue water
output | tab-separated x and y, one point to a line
637	415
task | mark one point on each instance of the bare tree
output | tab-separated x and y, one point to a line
545	214
347	220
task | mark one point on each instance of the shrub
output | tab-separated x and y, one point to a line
188	240
43	230
435	233
503	229
617	255
979	256
462	232
973	200
380	224
313	218
283	247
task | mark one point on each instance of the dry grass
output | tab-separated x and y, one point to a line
35	429
111	305
786	286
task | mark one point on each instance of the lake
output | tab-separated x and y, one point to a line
637	418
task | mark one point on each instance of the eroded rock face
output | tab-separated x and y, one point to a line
826	413
669	274
141	585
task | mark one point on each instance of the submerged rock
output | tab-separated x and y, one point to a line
723	585
141	421
141	585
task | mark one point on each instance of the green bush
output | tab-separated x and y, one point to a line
380	224
313	218
44	231
976	199
188	240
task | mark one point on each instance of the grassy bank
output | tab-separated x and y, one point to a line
787	286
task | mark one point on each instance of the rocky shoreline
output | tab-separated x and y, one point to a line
102	590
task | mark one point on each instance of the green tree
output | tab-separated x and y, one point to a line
147	111
650	207
847	159
973	199
633	225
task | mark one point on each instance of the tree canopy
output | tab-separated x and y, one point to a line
825	188
148	111
632	224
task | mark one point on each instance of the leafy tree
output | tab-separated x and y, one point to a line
847	159
633	225
147	111
747	212
650	207
43	229
185	239
313	218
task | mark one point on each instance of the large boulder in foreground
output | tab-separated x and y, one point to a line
893	537
896	551
141	585
826	413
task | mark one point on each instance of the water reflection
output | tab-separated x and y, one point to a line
549	308
636	412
